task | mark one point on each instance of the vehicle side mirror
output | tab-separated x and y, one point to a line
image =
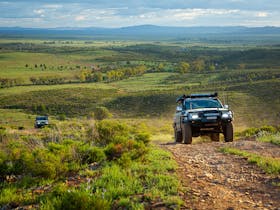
226	106
179	109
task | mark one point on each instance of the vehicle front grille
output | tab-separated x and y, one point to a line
211	113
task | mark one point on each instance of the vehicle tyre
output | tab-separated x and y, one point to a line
215	136
228	132
178	136
187	133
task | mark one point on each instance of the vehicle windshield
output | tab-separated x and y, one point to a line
41	118
202	103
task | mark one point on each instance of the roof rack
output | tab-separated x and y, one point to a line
197	95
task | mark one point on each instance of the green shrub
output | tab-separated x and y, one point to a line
91	154
142	133
134	149
116	183
164	183
59	190
68	151
101	113
44	163
81	200
128	203
268	129
114	151
111	131
3	164
256	131
3	134
137	150
61	117
90	116
15	162
11	195
54	147
249	132
125	160
144	137
75	199
91	134
271	138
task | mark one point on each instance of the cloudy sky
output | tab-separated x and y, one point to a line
119	13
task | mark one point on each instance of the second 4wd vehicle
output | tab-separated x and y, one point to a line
202	114
41	121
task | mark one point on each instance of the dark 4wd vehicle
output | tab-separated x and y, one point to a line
41	121
202	114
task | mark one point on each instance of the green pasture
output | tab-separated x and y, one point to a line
26	89
22	65
147	82
16	118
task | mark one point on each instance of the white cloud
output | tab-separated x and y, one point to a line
52	6
189	14
39	11
88	14
80	18
238	1
95	14
262	14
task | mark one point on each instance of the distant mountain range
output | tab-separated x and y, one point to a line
135	32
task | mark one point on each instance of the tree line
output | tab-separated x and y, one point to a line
112	75
10	82
48	80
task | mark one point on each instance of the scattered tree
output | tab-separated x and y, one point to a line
183	67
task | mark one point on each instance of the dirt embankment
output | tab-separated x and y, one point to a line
213	180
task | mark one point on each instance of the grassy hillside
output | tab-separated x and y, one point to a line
246	76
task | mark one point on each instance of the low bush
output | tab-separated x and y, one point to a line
75	199
13	158
116	183
43	163
90	154
133	149
127	203
12	198
111	131
131	174
268	164
101	113
3	165
256	131
3	134
271	138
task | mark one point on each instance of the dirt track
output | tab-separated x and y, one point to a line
213	180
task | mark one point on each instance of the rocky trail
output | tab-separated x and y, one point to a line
213	180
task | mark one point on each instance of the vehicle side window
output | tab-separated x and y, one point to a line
187	105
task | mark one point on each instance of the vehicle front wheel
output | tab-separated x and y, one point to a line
187	133
228	132
177	136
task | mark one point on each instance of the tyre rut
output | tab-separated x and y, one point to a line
213	180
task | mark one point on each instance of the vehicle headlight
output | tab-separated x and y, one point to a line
227	115
194	116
